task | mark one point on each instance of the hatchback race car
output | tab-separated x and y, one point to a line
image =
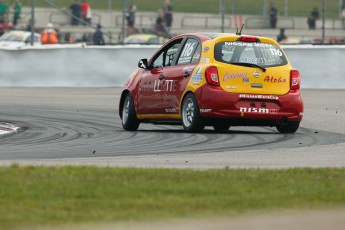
214	79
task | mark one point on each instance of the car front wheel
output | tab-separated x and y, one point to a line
130	121
191	119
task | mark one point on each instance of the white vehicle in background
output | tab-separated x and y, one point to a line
18	39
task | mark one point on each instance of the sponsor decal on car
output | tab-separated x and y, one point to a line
197	77
231	87
196	56
264	45
272	79
258	110
258	96
158	86
205	60
256	74
229	76
205	110
253	60
171	110
164	85
188	68
238	44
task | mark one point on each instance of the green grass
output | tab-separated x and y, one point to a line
295	7
45	196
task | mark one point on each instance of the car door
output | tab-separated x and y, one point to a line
154	83
179	75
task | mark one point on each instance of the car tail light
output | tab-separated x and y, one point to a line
211	74
248	39
295	79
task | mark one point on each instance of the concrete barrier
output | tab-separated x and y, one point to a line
110	66
321	67
70	67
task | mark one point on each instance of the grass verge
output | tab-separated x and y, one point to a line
45	196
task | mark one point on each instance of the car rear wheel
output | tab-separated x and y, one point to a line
219	127
130	121
191	119
289	127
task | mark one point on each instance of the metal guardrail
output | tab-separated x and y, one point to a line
205	22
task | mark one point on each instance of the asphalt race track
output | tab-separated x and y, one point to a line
82	126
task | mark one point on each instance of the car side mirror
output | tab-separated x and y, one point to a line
143	64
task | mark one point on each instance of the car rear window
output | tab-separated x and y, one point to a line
263	54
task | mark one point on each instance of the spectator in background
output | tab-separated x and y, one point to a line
273	16
168	14
314	15
281	36
69	38
76	12
49	35
17	10
3	11
86	12
160	25
97	37
130	15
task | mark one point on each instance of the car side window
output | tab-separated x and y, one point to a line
170	54
159	61
167	55
190	53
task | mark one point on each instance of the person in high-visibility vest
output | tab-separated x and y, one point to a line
49	35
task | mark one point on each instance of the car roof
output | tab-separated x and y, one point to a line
216	35
209	35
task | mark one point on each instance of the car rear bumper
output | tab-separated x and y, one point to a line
214	102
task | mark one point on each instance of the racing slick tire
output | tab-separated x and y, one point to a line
191	119
220	127
289	127
130	121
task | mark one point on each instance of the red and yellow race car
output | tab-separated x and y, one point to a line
214	79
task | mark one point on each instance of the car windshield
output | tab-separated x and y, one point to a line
261	54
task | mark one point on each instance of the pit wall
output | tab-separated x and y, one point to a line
321	67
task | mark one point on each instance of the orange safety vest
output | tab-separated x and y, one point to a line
49	37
